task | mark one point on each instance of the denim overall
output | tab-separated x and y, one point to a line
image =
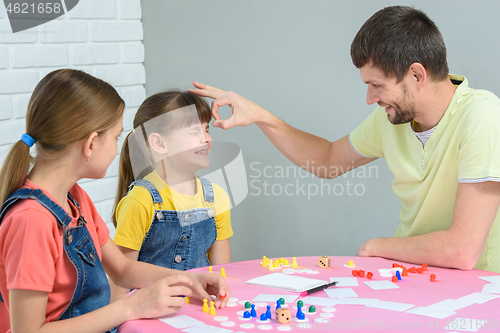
179	239
92	289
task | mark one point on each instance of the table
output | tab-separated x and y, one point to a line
415	289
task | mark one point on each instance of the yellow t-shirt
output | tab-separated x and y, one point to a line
464	148
134	213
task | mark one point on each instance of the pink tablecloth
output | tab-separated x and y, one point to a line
416	289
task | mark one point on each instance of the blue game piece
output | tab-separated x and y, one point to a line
398	275
299	311
301	316
278	304
263	317
246	314
252	312
268	312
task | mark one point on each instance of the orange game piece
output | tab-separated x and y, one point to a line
354	272
420	270
394	279
369	275
361	273
433	277
424	266
412	270
405	271
395	265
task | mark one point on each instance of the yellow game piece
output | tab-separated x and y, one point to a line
276	263
286	262
210	269
294	263
282	260
212	309
187	300
350	263
223	272
265	261
271	266
205	306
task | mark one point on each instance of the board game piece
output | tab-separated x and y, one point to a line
420	270
253	313
394	279
282	300
350	263
263	317
205	306
246	314
398	275
369	275
312	309
412	270
268	312
433	277
278	304
354	272
294	263
424	267
300	303
210	269
212	309
361	273
405	271
223	272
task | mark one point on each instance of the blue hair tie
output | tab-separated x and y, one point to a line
28	140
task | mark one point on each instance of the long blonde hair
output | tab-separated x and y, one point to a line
66	106
153	107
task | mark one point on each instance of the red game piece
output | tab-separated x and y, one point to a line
369	275
405	271
222	296
394	279
412	270
395	265
420	270
433	277
361	273
424	266
354	272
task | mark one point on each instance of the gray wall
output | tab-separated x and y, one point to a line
292	57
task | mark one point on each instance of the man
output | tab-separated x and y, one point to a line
440	139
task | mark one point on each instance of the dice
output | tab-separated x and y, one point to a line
283	315
324	261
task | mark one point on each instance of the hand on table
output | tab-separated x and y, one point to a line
206	284
160	298
244	112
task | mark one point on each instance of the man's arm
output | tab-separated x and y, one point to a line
476	206
331	159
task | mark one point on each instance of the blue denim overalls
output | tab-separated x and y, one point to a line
179	239
92	288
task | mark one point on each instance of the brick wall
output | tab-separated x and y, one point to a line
100	37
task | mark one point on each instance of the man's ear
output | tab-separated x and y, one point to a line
418	74
157	143
89	145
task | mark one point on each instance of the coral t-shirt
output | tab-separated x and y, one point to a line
32	254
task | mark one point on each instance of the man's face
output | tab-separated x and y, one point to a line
394	96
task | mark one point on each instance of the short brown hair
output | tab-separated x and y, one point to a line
395	37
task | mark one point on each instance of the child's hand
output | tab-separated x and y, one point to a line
160	298
206	284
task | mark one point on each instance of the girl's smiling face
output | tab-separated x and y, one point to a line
188	148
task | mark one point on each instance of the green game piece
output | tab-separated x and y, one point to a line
312	308
282	301
300	303
248	305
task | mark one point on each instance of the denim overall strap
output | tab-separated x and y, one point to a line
180	239
92	289
208	191
155	195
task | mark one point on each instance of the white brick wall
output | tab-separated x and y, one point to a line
100	37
